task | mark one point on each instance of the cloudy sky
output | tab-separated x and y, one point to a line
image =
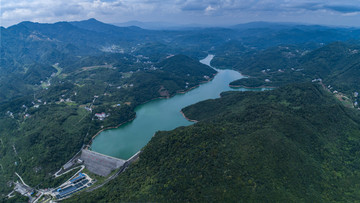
209	12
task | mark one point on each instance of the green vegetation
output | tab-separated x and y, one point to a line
337	64
47	139
293	144
41	132
296	143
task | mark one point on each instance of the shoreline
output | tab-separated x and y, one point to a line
202	82
242	86
182	92
182	113
245	76
108	128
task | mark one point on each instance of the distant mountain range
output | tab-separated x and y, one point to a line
39	45
249	25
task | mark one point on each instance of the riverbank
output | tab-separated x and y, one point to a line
196	86
161	115
108	128
242	86
162	97
125	122
182	113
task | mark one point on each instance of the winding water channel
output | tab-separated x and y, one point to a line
160	114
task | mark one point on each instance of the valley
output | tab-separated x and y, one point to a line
63	83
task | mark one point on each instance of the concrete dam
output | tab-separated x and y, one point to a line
100	164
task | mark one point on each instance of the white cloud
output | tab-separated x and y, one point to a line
210	8
181	11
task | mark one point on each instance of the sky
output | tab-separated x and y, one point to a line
205	12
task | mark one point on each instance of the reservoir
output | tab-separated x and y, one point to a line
160	115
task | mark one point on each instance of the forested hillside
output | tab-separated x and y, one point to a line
55	77
293	144
282	65
41	132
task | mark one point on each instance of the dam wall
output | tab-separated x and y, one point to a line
100	164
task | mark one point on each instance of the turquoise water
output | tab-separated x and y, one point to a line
160	114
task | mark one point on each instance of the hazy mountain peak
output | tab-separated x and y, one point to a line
98	26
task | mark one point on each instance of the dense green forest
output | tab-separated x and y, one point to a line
41	132
287	64
293	144
296	143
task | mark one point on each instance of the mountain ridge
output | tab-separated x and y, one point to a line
279	145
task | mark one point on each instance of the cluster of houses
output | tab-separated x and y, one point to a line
264	71
101	116
65	100
88	108
356	95
279	70
10	114
125	86
316	80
